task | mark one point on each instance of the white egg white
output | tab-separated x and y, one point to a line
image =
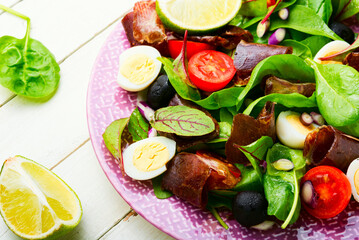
330	48
150	52
135	173
353	167
287	133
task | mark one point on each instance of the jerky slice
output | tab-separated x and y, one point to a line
329	146
248	55
352	59
277	85
190	177
246	129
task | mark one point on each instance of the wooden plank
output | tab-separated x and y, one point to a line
135	227
102	205
62	26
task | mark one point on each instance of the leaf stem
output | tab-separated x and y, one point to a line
219	219
13	12
295	202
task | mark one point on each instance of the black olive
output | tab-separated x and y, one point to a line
343	31
160	92
250	208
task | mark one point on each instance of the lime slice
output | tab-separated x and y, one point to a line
34	202
197	16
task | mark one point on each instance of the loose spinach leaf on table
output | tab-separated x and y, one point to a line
322	8
315	43
286	66
293	100
299	49
304	19
256	151
281	188
27	67
337	93
183	121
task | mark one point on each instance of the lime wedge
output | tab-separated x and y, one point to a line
197	16
34	202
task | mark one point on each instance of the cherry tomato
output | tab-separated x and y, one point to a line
211	70
270	3
175	47
332	188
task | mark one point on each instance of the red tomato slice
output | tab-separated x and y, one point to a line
333	189
175	47
270	3
211	70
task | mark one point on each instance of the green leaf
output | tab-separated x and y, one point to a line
347	8
337	92
184	90
27	67
256	8
256	151
250	180
112	136
352	129
224	132
138	126
223	98
311	23
299	49
183	121
293	100
315	43
278	65
225	115
158	190
322	8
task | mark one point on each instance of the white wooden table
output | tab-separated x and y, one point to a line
54	133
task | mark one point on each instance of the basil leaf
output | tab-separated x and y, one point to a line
27	67
112	136
286	66
293	100
158	190
337	92
183	121
299	49
256	151
138	126
311	23
315	43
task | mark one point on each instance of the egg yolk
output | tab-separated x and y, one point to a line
295	122
150	156
356	180
330	61
138	68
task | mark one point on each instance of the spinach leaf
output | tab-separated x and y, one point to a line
225	115
299	49
281	188
138	126
337	92
183	121
352	129
225	129
286	66
256	8
245	22
345	8
223	98
293	100
256	151
322	8
184	90
158	190
315	43
112	136
250	180
27	67
311	23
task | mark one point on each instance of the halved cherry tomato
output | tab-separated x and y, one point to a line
332	188
211	70
175	47
270	3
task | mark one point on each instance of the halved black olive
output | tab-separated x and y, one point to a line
343	31
160	92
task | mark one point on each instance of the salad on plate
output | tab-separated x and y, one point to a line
250	108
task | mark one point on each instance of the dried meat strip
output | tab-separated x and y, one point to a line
191	176
352	59
329	146
246	129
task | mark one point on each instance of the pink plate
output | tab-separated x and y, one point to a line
106	101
